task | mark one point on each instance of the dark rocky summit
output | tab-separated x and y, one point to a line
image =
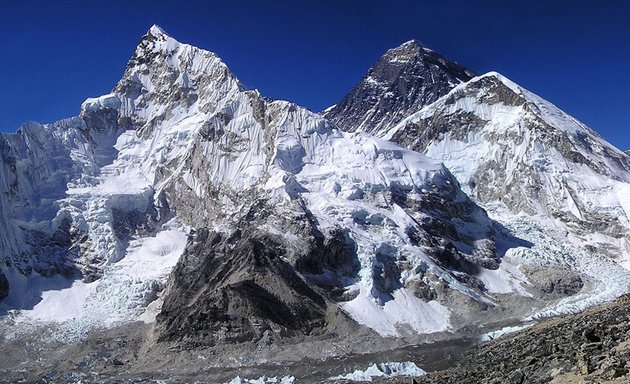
405	78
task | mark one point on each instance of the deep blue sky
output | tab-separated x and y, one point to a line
54	54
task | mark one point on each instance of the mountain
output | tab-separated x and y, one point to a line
184	199
541	173
530	156
183	216
404	78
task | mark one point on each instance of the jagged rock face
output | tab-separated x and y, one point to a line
36	164
252	284
406	78
164	78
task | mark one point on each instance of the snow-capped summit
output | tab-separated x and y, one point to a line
157	31
529	155
404	78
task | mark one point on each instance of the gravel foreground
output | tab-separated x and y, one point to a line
589	347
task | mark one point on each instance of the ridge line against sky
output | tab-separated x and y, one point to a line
574	54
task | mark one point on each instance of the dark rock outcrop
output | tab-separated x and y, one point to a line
554	282
236	288
4	286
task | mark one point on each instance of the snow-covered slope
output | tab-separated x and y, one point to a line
528	155
180	162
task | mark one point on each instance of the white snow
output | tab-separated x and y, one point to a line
106	101
493	335
403	313
62	304
506	279
263	380
383	371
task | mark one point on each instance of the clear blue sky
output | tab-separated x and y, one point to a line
54	54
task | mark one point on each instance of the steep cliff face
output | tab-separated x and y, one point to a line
43	228
404	79
248	291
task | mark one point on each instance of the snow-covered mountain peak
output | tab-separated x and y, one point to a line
589	148
165	78
529	156
157	31
157	48
410	43
496	76
153	41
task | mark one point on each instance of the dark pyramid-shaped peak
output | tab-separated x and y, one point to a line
410	48
402	81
